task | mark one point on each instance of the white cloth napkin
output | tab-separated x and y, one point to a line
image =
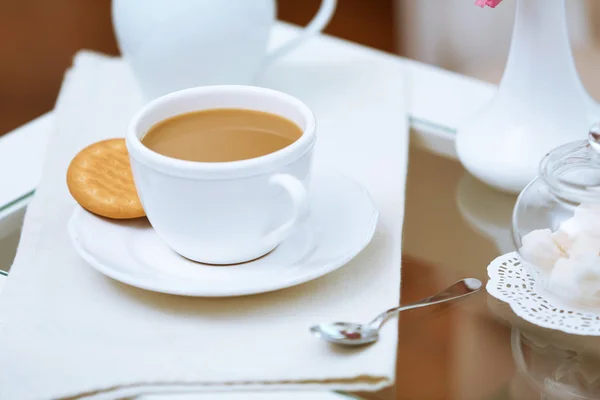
66	330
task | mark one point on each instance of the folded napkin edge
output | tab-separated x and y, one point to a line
359	383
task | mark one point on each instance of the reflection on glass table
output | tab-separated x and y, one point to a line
556	364
474	199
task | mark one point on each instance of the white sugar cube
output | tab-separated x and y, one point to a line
540	249
585	245
562	278
587	268
571	255
570	227
563	240
576	278
587	275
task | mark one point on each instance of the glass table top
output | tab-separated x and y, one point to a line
474	349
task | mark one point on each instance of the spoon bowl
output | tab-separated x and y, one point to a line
347	333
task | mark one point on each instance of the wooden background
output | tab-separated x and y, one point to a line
40	37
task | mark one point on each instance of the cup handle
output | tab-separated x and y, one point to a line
297	192
316	25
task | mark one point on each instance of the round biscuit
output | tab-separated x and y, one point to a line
100	180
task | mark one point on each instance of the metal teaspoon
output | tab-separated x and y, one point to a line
351	334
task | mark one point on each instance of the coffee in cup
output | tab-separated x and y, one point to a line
221	135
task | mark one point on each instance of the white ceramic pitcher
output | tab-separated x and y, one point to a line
173	45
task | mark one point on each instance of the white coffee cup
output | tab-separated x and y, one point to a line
223	212
177	44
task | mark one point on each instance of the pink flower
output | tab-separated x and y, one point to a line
489	3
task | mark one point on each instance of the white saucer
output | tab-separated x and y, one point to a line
342	222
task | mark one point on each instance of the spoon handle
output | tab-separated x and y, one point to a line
459	289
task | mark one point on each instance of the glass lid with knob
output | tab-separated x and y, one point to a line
556	221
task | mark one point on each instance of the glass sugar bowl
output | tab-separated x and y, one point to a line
556	222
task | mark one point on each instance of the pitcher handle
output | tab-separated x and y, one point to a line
316	25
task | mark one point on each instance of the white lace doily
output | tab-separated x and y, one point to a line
510	282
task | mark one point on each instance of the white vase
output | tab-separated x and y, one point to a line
540	103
